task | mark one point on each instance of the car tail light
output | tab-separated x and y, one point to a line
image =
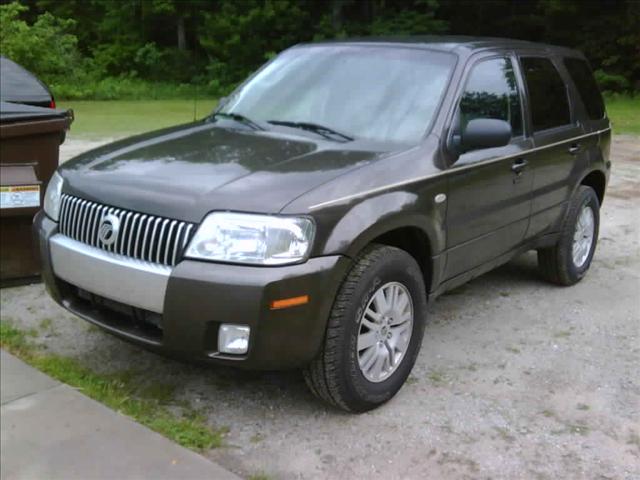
52	103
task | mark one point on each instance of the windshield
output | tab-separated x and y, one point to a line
382	94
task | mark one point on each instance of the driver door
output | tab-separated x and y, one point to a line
489	189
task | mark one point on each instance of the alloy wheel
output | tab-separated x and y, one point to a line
385	331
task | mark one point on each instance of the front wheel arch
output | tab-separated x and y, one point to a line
416	243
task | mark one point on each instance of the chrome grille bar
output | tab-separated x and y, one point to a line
166	251
176	244
150	238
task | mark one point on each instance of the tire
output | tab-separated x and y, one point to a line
557	263
335	375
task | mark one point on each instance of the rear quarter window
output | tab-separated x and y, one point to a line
548	98
586	85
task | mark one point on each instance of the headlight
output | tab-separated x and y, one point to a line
52	197
252	239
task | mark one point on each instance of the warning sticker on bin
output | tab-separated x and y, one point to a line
19	196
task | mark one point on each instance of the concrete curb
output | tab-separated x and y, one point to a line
50	430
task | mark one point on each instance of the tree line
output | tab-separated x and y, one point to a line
78	44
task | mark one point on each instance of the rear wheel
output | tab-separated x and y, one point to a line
374	332
569	260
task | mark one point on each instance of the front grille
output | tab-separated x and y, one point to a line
144	237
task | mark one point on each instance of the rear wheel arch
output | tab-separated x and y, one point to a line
597	180
558	262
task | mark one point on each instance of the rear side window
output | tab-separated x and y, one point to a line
491	92
586	85
548	98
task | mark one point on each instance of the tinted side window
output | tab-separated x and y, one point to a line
492	92
587	88
547	94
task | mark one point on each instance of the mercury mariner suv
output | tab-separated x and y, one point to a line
310	218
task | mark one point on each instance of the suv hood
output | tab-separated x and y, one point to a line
185	172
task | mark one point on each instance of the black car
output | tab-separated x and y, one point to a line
18	85
307	222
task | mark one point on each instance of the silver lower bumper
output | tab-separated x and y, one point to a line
126	280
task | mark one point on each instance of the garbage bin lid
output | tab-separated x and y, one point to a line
20	85
12	112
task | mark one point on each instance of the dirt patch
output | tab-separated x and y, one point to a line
626	181
516	378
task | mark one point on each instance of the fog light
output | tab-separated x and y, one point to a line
233	338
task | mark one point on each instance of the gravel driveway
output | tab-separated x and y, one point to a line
516	378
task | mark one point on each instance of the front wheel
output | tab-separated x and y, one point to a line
568	261
374	332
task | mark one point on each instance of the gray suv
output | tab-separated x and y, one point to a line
307	221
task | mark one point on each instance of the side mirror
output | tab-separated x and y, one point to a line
485	133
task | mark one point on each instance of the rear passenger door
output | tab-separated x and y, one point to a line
559	151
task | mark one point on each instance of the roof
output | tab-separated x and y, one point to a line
452	42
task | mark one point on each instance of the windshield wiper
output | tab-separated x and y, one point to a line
313	127
239	118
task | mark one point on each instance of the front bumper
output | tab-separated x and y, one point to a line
178	311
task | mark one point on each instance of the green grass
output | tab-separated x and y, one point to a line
121	118
562	334
624	112
437	377
259	476
127	88
46	324
119	392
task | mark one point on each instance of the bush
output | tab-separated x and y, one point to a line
610	82
45	47
130	88
420	20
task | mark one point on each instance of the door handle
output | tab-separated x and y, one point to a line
519	165
574	148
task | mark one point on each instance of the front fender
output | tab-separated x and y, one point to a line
373	217
367	220
395	192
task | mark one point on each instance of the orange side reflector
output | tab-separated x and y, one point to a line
289	302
